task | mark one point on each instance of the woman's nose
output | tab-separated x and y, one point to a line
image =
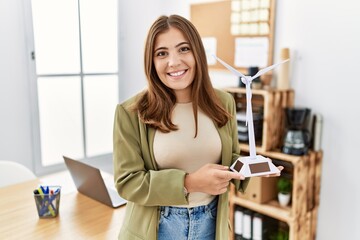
174	60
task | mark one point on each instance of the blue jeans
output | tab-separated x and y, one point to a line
197	223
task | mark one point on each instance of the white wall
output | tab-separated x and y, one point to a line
15	121
135	20
325	41
324	38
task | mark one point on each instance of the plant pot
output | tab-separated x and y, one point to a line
284	199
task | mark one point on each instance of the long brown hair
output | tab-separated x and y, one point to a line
157	102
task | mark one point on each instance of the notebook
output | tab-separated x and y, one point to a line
88	181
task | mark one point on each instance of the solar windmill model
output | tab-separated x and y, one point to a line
253	165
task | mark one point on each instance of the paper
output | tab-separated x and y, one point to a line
251	51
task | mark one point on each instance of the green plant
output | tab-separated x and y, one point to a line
280	235
284	185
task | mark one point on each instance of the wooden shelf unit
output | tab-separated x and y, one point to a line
301	216
273	102
305	171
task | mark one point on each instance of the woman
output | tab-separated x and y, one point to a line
174	142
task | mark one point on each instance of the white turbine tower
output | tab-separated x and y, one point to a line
253	165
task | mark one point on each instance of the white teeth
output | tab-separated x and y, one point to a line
176	73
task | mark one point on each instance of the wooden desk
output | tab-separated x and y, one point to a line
79	217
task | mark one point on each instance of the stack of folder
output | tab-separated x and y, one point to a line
250	225
243	134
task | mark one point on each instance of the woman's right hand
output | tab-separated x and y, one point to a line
212	179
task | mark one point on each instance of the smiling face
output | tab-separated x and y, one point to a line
175	63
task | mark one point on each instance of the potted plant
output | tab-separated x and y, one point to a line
284	187
280	235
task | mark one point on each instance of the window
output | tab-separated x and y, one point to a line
73	46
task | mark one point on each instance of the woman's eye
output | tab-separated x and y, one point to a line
161	54
184	49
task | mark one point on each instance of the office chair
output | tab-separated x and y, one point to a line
13	172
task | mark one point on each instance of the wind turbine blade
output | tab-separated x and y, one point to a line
233	70
264	70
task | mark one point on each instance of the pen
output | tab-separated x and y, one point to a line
38	201
46	204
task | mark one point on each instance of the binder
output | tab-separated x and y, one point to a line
258	226
238	223
247	225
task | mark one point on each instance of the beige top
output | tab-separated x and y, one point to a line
179	149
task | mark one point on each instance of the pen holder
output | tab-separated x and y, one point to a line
47	200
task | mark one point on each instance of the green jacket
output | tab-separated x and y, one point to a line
138	180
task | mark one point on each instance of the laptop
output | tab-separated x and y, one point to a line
88	181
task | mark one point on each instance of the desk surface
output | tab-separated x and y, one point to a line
79	217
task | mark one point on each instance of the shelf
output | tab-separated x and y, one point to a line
271	209
255	91
301	215
273	154
304	171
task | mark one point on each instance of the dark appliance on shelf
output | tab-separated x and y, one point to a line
297	136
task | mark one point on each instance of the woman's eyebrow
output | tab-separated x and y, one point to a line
179	44
160	48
